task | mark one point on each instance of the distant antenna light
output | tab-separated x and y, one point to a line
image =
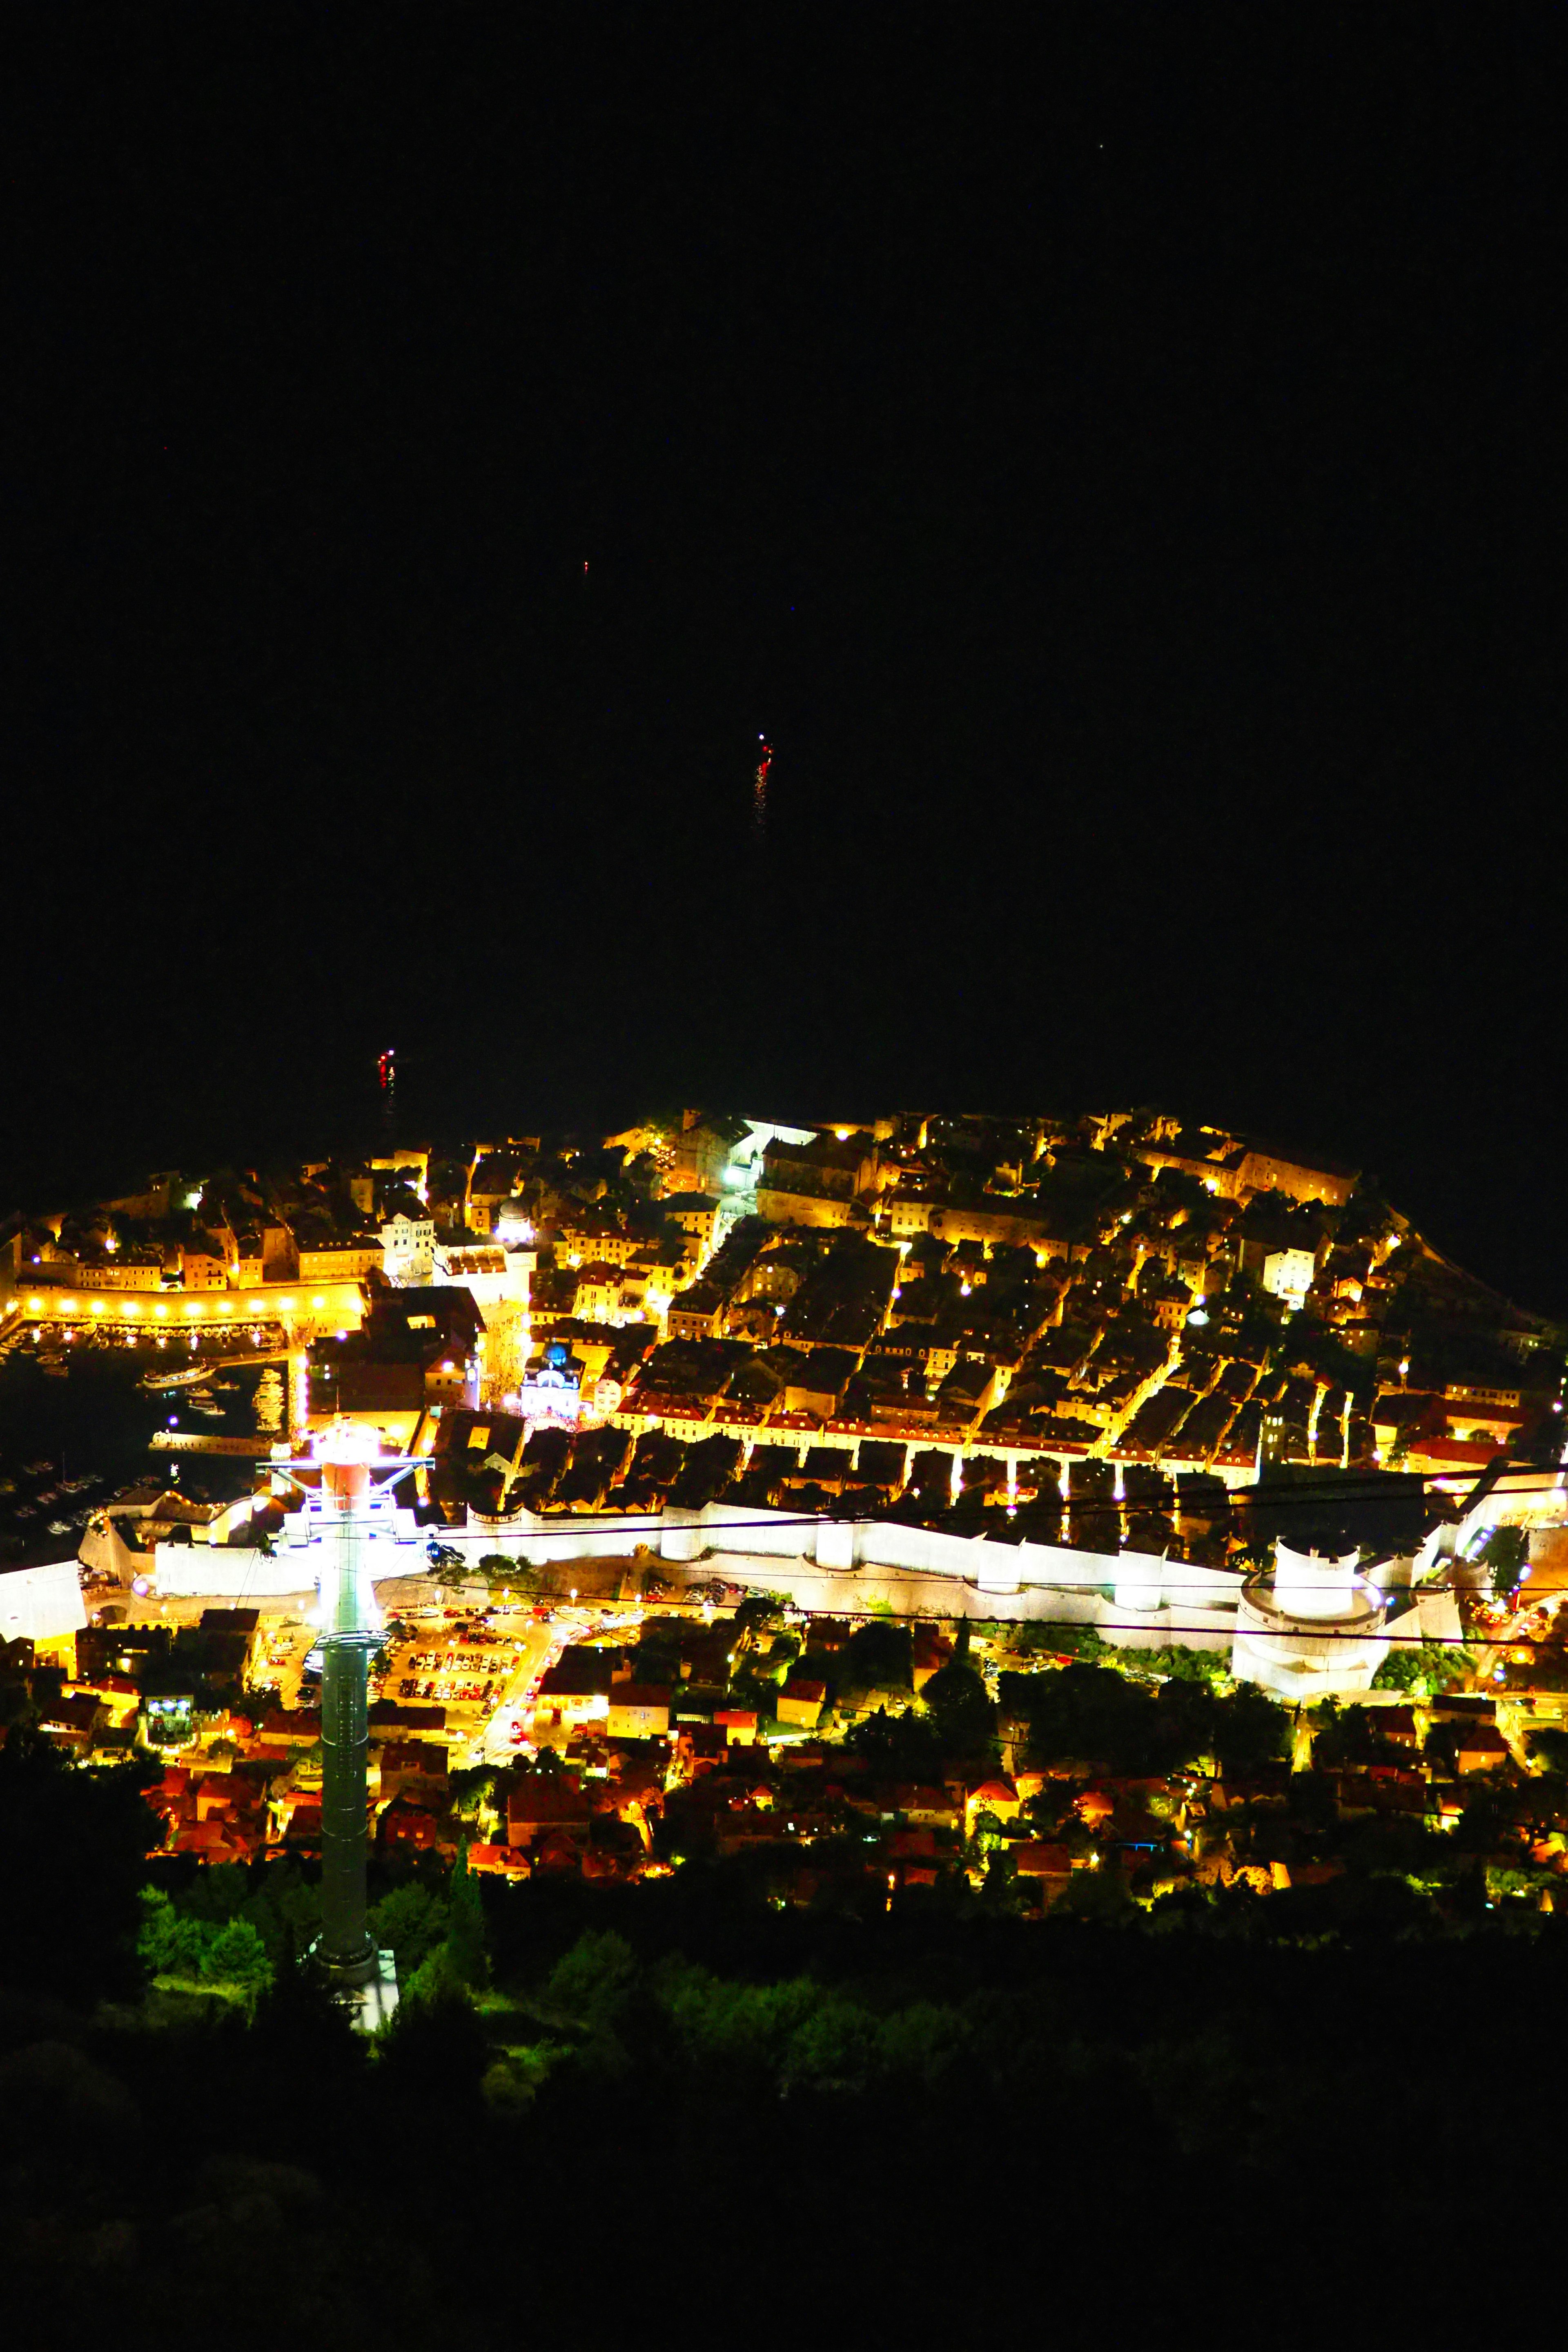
760	786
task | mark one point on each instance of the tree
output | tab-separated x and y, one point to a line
1249	1729
236	1955
1507	1553
958	1704
879	1656
1083	1642
73	1849
1095	1713
506	1573
216	1893
473	1786
897	1747
1347	1735
286	1913
833	2049
435	2050
466	1925
168	1944
1100	1897
1549	1746
593	1980
1185	1718
409	1923
1423	1668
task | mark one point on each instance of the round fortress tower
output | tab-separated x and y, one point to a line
1309	1626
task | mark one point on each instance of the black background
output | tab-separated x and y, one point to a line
1113	453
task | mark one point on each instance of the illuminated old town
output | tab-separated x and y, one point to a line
1022	1511
784	1302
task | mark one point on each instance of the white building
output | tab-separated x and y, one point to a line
408	1250
41	1605
494	1276
1288	1273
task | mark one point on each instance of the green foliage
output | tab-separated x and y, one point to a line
1091	1714
434	1984
1189	1714
435	2051
474	1787
1100	1715
285	1911
1100	1896
959	1707
793	2035
739	2029
1347	1735
1313	1805
73	1849
1249	1729
1180	1664
218	1893
593	1982
505	1573
1424	1669
236	1955
897	1747
177	1943
1081	1642
1030	1639
465	1945
511	2082
1484	1824
169	1944
409	1923
834	2049
1507	1554
879	1656
1548	1746
759	1610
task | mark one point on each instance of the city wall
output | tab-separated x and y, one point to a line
833	1565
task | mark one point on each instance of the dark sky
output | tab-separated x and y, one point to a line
1114	454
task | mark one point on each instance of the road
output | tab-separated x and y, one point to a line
538	1649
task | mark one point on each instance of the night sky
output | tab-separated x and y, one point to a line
1114	455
